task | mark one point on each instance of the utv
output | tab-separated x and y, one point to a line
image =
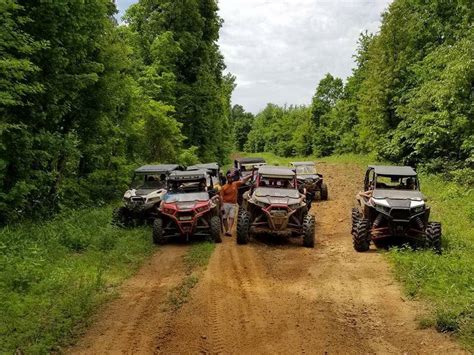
310	179
191	207
213	169
245	167
141	201
275	206
392	209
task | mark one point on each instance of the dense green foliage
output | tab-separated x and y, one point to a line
409	99
180	64
53	275
82	99
241	123
446	280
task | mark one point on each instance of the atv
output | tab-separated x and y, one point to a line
392	210
310	179
244	167
141	201
274	205
191	207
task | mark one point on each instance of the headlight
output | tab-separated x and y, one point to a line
261	204
417	206
380	202
202	209
168	210
418	209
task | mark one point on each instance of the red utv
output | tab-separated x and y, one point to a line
190	208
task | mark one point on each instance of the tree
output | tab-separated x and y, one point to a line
241	125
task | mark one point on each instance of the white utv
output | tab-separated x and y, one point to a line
142	199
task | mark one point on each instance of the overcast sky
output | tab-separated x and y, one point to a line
280	49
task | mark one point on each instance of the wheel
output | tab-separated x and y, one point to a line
308	231
216	229
433	236
243	227
360	236
355	218
121	217
158	234
324	191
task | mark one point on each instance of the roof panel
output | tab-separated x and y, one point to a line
162	168
275	171
188	174
210	166
393	170
250	160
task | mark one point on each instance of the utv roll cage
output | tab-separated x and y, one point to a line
191	181
395	173
275	173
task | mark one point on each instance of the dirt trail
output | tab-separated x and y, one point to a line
134	322
280	298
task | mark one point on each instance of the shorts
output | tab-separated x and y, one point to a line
229	210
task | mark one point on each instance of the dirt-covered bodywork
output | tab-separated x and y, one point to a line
311	180
275	206
191	207
245	167
141	200
392	209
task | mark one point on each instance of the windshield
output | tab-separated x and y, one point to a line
272	192
276	182
396	182
186	197
141	181
305	169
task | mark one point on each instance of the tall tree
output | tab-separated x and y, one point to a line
183	35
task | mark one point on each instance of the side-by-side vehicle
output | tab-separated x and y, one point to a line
392	209
312	181
141	200
274	205
191	207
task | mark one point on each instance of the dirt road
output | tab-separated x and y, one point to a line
273	298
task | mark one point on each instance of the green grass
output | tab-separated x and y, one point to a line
53	275
445	281
195	261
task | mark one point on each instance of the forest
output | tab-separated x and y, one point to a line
85	99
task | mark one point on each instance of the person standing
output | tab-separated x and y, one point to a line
229	194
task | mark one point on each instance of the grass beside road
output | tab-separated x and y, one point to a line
446	281
53	275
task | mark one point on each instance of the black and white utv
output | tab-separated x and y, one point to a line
142	199
392	210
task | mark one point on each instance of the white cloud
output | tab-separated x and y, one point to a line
280	49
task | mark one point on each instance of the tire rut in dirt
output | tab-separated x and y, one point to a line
134	321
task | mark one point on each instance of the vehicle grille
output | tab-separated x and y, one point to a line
400	214
185	216
138	200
